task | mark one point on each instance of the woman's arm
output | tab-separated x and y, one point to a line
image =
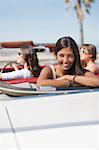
88	79
23	73
14	66
45	79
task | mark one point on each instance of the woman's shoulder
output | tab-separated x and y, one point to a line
93	68
46	69
49	70
92	65
49	67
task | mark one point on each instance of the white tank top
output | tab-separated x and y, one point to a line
53	71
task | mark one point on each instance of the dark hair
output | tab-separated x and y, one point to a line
30	56
91	49
65	42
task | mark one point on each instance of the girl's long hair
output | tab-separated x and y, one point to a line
30	56
65	42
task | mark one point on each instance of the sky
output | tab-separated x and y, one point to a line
45	21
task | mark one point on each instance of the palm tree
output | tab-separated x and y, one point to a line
80	12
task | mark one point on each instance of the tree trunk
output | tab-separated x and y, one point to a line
81	33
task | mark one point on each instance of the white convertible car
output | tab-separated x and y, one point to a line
68	119
48	119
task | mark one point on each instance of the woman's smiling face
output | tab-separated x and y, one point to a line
65	58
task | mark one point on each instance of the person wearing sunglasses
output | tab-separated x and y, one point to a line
88	56
67	71
28	58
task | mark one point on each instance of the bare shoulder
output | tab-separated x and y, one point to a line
46	69
46	72
89	74
94	68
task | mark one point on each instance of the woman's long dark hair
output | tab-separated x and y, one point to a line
65	42
30	56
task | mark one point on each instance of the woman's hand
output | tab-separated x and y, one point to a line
62	78
14	66
66	77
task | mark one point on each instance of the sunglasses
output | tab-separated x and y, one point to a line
84	51
19	53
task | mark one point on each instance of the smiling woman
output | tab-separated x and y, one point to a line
68	70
